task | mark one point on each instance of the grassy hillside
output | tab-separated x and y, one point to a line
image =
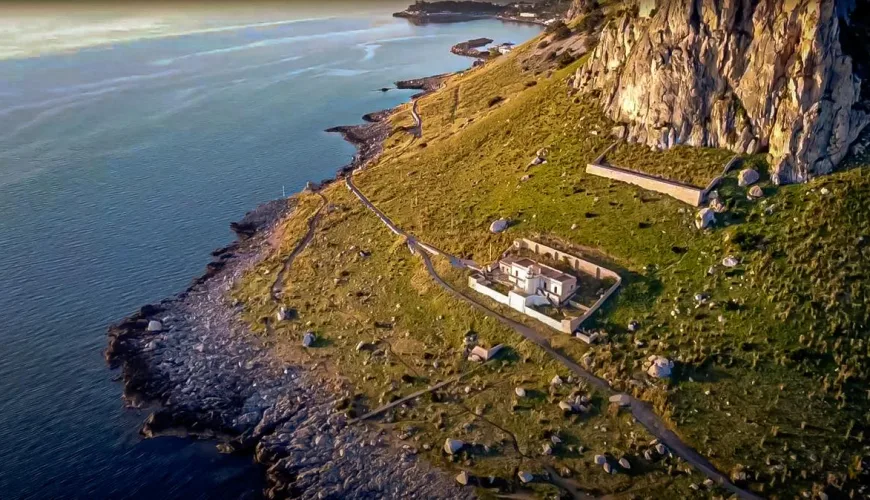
772	363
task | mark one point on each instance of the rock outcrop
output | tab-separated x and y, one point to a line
747	75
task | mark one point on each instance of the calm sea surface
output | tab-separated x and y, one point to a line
120	169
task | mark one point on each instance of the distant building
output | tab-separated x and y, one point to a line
528	14
532	278
505	48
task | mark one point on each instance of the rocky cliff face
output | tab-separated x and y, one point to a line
747	75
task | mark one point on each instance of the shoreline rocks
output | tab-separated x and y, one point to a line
211	378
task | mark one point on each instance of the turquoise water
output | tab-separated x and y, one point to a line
120	169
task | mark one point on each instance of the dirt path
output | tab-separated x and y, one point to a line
641	410
418	122
278	285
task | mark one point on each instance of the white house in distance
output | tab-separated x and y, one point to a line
539	283
532	285
505	48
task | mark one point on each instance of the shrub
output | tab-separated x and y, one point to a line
544	44
565	58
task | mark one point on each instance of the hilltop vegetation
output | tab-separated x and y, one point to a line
772	354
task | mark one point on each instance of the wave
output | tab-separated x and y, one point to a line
60	100
270	42
370	48
115	81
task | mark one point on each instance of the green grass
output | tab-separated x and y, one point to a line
685	164
778	385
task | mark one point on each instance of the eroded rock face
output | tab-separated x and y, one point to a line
746	75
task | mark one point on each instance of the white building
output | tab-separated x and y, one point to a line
537	283
528	14
505	48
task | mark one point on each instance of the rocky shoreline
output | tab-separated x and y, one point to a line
208	376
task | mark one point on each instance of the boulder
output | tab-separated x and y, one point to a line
547	449
619	131
566	406
621	399
747	177
623	462
154	326
633	326
705	218
717	206
308	339
729	261
557	380
520	392
452	446
755	192
600	459
463	478
498	226
608	468
525	477
660	368
660	449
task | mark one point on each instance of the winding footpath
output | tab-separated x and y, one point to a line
278	285
641	410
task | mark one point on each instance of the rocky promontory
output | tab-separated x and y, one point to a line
751	76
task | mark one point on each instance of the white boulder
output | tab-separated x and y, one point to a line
660	368
308	339
154	326
498	226
755	192
520	392
729	261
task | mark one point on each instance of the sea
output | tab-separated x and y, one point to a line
122	164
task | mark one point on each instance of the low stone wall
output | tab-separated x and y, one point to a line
475	282
686	193
575	262
683	192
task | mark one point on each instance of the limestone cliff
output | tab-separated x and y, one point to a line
747	75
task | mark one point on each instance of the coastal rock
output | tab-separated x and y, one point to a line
213	377
154	326
745	75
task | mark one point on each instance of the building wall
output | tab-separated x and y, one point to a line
685	193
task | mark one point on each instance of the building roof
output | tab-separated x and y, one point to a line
542	269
